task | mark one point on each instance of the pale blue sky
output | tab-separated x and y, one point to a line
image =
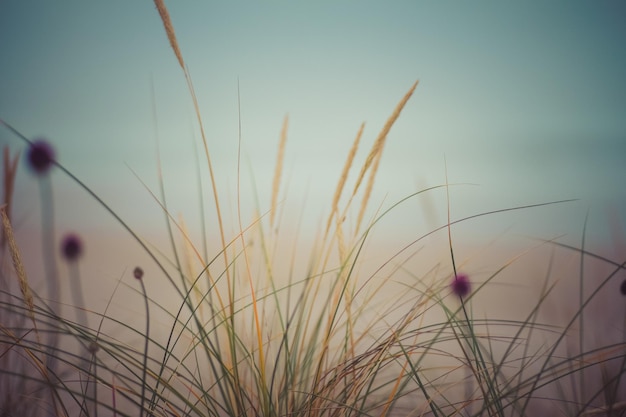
527	99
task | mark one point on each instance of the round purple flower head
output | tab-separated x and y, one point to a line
461	285
40	156
93	347
138	273
71	247
622	288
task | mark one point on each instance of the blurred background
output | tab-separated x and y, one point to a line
520	103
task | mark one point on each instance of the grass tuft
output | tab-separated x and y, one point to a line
265	325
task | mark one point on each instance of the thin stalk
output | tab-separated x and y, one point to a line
581	318
482	371
265	401
139	276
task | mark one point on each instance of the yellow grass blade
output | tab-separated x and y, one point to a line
382	136
375	155
169	29
279	169
27	294
10	167
344	176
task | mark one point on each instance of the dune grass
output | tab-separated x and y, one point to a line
256	333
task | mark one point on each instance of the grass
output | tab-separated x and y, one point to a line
258	331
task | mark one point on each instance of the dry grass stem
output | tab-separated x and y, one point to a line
18	265
341	245
169	30
10	168
376	153
188	251
368	191
344	176
380	140
279	169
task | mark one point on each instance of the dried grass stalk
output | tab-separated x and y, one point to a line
169	30
368	191
344	176
376	153
17	264
279	168
382	136
341	244
10	168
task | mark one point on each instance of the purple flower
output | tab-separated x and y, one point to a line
138	273
93	348
461	285
40	156
71	247
622	288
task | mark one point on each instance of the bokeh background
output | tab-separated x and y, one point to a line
523	103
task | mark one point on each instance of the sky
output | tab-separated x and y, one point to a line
518	102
